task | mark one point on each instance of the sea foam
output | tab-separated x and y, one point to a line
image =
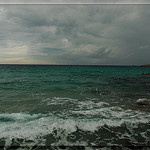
34	127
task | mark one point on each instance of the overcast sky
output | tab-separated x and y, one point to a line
75	34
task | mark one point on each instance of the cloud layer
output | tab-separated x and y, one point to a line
75	34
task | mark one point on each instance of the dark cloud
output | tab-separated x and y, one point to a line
75	34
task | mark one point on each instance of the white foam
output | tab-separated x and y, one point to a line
18	116
58	100
143	101
90	104
35	127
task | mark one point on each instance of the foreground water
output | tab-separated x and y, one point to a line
65	107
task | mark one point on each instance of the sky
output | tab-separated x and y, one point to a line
75	34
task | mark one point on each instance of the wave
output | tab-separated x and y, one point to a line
143	101
31	129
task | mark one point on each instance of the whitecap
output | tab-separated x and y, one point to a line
35	127
143	101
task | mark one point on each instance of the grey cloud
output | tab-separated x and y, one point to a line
77	34
74	1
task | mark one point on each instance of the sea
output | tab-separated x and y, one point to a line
74	107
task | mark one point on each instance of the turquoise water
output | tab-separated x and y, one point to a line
86	106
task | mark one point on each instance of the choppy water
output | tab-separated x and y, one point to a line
80	107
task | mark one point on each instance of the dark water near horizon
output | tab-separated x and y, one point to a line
85	107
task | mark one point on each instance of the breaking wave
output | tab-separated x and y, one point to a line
114	124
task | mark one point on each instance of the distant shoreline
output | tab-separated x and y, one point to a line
146	65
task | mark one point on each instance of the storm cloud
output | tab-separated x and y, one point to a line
75	34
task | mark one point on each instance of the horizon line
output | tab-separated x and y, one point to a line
74	64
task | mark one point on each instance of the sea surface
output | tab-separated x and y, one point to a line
73	107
